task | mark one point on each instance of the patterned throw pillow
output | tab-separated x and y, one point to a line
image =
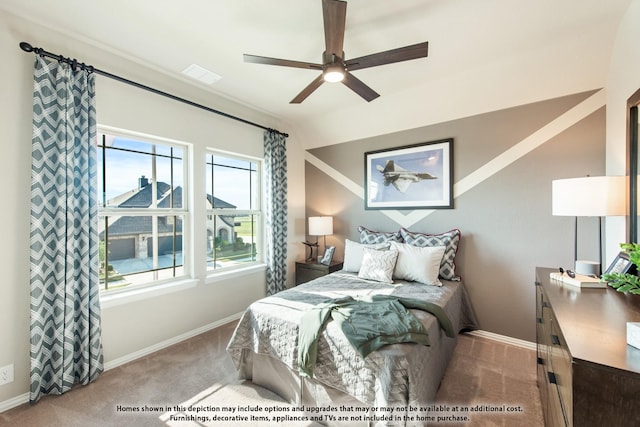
370	237
449	240
378	265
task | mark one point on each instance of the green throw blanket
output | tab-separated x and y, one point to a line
367	324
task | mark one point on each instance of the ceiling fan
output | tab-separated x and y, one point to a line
334	67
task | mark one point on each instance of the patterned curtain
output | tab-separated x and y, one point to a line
66	343
275	160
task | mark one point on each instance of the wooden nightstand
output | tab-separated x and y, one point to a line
309	270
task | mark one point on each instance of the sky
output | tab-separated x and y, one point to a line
124	168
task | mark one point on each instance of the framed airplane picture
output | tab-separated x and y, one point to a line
416	176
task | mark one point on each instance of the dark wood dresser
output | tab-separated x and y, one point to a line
587	374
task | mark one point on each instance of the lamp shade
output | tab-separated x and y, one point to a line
320	225
589	196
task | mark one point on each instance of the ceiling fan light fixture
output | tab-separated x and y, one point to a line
333	73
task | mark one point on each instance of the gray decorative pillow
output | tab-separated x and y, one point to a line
378	265
370	237
449	240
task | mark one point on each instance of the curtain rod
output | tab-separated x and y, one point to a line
74	63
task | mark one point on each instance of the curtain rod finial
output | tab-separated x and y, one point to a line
26	47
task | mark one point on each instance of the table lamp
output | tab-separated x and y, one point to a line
321	226
594	196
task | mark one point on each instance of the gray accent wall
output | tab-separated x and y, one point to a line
505	219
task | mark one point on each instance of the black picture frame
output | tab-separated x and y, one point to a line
328	255
418	176
621	264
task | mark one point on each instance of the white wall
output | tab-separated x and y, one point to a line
623	81
133	327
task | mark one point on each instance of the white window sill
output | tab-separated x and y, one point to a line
128	296
114	299
223	275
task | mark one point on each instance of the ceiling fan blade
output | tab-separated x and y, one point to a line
308	90
282	62
356	85
420	50
334	13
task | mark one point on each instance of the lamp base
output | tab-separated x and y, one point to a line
588	268
310	245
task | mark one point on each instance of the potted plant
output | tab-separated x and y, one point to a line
626	281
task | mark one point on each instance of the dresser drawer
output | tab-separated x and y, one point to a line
562	370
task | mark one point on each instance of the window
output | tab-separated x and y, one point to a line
142	210
233	211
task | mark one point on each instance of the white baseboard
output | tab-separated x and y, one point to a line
167	343
24	398
13	402
504	339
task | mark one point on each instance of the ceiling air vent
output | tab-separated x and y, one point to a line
201	74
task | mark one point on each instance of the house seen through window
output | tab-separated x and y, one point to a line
142	211
144	217
233	211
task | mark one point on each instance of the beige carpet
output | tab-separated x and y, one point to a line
234	405
181	385
493	384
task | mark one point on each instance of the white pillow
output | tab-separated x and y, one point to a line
418	264
353	254
378	265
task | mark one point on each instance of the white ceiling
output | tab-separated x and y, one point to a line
483	55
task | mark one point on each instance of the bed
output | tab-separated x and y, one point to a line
264	346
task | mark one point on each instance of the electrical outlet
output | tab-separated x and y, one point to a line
6	374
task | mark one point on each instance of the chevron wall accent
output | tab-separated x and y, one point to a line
519	150
66	346
505	161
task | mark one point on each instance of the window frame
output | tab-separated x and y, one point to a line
185	212
258	212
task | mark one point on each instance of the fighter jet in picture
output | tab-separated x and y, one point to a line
400	177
